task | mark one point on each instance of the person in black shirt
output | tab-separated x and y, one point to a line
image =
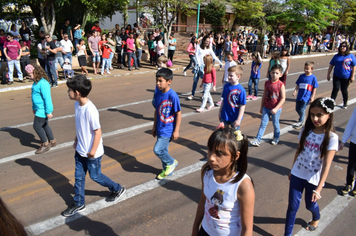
51	59
25	34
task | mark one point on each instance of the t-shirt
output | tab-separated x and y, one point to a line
130	44
222	208
273	93
58	45
39	51
160	45
308	165
255	70
41	98
78	34
265	40
150	44
25	34
97	28
343	65
67	45
12	49
81	51
228	64
51	56
306	84
210	77
234	96
172	47
94	43
167	105
227	46
86	122
66	30
106	52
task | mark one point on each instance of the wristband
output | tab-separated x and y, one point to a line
317	193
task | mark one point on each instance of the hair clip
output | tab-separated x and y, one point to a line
238	135
324	104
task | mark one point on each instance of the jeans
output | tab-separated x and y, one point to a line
344	84
131	55
10	65
96	57
93	165
161	151
193	60
231	124
76	41
139	55
296	188
51	71
351	165
266	113
60	61
198	72
300	107
218	52
171	54
69	73
207	95
69	56
110	59
105	65
41	126
253	81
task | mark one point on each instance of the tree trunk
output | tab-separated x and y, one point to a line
48	19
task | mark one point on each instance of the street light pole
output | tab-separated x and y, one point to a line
198	15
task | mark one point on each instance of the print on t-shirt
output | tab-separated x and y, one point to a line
217	199
233	98
311	146
347	63
164	110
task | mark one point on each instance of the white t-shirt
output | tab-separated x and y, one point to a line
86	122
160	44
228	64
67	45
308	165
81	52
201	53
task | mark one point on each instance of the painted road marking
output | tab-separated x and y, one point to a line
57	221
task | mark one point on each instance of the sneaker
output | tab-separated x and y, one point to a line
170	168
53	143
73	209
114	196
43	148
184	73
190	97
298	125
218	103
275	141
248	97
254	98
137	68
55	86
130	69
102	73
344	107
199	110
255	142
162	175
346	190
211	107
353	192
108	72
10	82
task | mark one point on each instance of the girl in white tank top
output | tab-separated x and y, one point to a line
226	187
285	63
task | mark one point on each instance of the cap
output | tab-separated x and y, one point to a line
54	37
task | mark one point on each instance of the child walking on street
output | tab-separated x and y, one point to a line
167	119
227	198
42	107
208	83
285	63
229	63
88	145
350	132
317	146
255	75
275	60
306	87
233	104
274	95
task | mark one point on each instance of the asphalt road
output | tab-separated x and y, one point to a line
38	187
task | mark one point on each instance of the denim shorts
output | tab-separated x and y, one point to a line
96	57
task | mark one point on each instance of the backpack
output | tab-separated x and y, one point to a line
5	77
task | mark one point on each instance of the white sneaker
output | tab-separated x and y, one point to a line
102	73
298	125
275	141
190	97
108	72
255	142
184	73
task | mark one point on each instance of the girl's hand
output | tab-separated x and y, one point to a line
274	111
316	196
49	116
261	111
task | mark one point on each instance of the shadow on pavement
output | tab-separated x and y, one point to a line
188	191
26	139
206	126
271	220
268	165
90	227
132	114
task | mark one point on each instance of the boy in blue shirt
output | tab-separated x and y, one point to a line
306	86
234	100
88	145
167	119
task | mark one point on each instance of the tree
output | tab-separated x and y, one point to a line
248	11
214	11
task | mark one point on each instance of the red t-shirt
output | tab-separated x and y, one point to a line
273	94
106	52
12	49
97	28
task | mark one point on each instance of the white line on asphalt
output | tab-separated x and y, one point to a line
111	133
57	221
129	104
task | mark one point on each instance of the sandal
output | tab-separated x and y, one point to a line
309	227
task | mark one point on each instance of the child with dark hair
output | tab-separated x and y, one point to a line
227	199
317	147
88	145
167	120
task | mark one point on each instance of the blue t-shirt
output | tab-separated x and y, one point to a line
172	47
78	34
306	84
234	96
167	105
255	70
343	65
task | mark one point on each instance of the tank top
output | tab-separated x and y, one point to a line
81	50
283	64
222	208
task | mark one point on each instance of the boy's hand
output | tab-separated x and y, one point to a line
274	111
34	112
261	110
214	88
237	123
154	133
49	116
175	135
328	78
294	93
75	144
90	155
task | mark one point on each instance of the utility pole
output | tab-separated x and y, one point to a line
198	15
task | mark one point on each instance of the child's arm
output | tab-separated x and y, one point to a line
211	52
283	99
295	90
313	95
154	124
200	210
288	66
239	117
329	71
269	65
352	78
94	147
213	76
222	80
259	58
175	135
246	197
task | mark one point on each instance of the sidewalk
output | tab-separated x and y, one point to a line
179	64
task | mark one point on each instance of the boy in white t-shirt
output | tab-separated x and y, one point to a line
88	146
229	63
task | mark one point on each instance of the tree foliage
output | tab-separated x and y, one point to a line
215	12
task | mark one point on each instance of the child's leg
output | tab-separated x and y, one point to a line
71	73
295	196
313	207
94	169
195	83
298	109
48	130
250	86
275	121
264	121
103	66
256	81
206	88
351	166
38	124
210	98
79	175
161	151
303	106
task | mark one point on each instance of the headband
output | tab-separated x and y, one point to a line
328	104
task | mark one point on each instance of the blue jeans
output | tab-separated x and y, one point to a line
110	59
10	65
93	165
131	55
193	60
266	113
255	82
161	151
300	107
218	54
69	56
51	71
76	41
139	55
296	188
198	72
105	65
60	61
231	124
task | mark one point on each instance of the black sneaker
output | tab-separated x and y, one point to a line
346	190
73	209
114	196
